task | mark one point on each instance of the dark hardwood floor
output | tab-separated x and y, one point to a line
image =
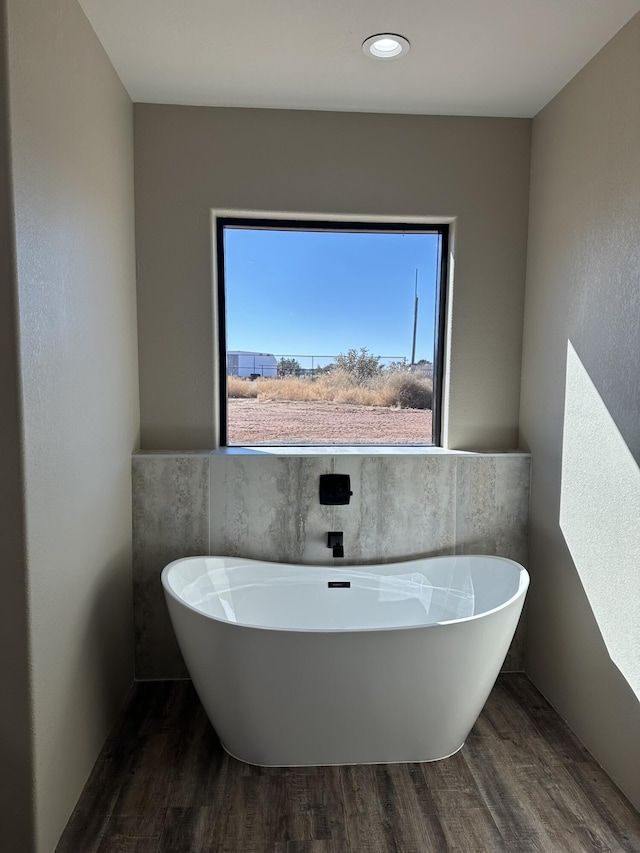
522	782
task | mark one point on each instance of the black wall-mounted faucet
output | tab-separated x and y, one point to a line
335	541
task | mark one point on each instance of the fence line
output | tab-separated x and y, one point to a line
257	367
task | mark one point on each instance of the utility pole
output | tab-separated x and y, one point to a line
415	323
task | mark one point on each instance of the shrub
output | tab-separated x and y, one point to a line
340	387
361	366
408	391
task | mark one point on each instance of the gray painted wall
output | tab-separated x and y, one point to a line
71	137
580	412
71	176
265	506
16	802
472	171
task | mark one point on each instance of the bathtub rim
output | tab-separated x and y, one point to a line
523	585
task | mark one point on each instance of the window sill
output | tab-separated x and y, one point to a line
357	450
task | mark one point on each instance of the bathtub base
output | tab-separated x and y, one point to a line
343	763
335	699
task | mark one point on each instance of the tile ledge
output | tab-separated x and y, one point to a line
355	450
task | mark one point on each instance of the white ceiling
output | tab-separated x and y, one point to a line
468	57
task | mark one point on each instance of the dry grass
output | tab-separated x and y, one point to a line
391	390
237	387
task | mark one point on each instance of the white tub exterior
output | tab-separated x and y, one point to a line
395	668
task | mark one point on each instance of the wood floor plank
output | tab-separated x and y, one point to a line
116	843
453	774
557	815
367	829
617	820
301	806
415	822
90	819
390	808
521	784
187	829
84	831
329	819
144	794
521	828
552	740
200	772
470	831
236	820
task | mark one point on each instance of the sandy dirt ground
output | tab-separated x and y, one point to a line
258	422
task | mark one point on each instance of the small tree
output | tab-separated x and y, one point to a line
289	367
360	366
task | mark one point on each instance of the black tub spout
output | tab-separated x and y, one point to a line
335	541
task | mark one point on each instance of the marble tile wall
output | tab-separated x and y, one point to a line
170	520
265	505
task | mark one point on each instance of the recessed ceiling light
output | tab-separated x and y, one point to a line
385	46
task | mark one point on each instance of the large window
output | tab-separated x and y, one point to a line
331	333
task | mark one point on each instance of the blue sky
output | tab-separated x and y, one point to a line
322	293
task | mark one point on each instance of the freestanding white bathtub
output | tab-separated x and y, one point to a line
307	665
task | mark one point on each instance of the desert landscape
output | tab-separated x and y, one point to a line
252	421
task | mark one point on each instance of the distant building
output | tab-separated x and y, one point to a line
423	369
242	363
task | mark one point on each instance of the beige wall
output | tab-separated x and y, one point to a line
190	160
16	802
580	412
71	137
